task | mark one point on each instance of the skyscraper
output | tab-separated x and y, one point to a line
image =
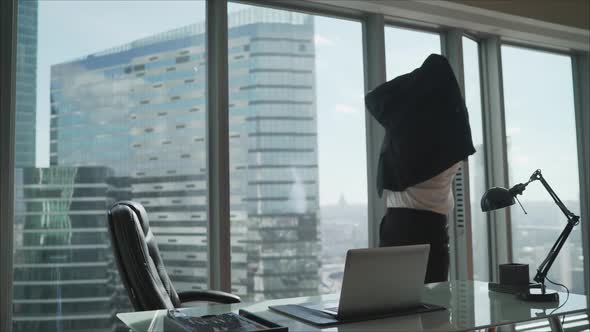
273	154
26	83
132	120
64	276
140	108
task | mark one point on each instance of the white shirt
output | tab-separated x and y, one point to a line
434	194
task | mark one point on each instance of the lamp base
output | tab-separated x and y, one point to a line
509	288
524	292
547	297
543	296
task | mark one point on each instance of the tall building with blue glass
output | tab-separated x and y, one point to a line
139	110
26	83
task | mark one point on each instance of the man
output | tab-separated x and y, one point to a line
427	136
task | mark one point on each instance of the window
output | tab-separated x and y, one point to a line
116	110
541	134
297	151
93	148
477	170
405	49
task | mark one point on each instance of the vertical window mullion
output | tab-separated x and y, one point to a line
218	146
477	182
485	140
460	221
496	154
374	53
581	81
8	16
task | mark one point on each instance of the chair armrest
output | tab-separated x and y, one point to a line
208	296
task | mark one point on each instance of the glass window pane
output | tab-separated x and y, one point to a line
298	159
405	49
541	134
477	173
110	106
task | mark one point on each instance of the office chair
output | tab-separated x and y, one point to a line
141	267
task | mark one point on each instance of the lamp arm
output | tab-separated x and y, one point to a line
538	176
572	220
544	267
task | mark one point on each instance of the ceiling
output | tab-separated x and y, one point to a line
573	13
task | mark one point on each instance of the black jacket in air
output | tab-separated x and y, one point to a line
426	125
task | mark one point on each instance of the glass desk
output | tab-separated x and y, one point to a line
469	306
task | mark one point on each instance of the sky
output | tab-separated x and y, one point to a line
540	120
535	83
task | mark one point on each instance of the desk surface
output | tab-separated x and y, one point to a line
470	306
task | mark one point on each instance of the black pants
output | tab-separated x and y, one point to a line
402	227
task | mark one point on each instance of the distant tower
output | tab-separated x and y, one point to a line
26	83
342	200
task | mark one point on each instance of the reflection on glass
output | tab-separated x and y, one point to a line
405	49
541	134
297	150
119	114
477	180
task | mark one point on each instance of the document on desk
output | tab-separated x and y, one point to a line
324	318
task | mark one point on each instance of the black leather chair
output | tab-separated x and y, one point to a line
140	266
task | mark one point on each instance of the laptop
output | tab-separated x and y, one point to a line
381	281
377	283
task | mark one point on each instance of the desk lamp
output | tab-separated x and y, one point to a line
497	198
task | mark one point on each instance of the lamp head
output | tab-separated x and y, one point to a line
496	198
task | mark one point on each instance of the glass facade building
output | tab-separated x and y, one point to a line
140	110
273	151
64	275
26	83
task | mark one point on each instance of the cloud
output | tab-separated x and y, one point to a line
343	108
322	40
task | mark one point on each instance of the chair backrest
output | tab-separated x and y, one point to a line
140	266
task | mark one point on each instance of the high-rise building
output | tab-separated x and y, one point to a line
64	274
274	149
26	83
140	109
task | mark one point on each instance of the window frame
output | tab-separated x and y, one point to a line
8	17
581	81
484	149
373	19
218	207
460	237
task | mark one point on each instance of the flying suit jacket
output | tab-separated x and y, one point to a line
426	125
